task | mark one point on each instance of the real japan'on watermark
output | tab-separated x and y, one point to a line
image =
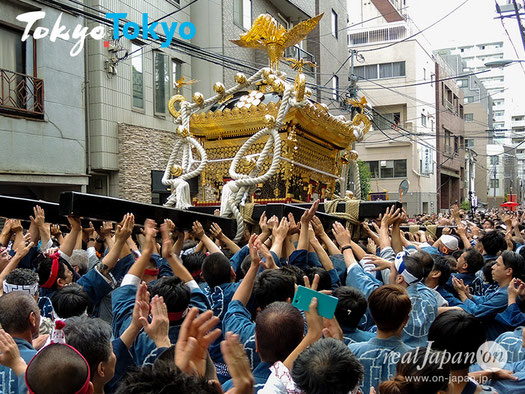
130	30
489	356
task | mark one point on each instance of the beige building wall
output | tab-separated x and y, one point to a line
411	102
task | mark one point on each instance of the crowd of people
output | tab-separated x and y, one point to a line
115	310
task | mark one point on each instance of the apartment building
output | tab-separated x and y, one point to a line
398	82
450	137
42	125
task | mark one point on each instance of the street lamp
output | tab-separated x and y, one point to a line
502	63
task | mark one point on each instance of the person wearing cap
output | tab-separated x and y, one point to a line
445	245
508	266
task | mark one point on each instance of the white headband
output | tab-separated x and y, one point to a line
401	268
31	289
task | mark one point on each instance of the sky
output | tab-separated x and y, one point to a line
473	22
470	24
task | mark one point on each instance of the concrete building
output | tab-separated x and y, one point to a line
478	121
475	57
402	142
42	125
502	173
450	137
507	105
130	129
518	140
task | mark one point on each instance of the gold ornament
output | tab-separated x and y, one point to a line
183	131
176	171
300	83
240	78
180	83
353	155
198	98
269	120
178	98
308	92
266	33
219	88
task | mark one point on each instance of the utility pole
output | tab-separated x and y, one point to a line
469	179
520	26
494	203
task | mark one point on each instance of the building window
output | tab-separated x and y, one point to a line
387	168
13	51
21	91
384	70
469	143
423	120
494	183
176	73
388	120
137	75
469	99
494	160
161	81
334	23
335	87
242	13
448	138
468	117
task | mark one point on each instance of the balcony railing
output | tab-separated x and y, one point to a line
21	94
378	34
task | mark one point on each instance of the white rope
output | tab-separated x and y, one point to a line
243	184
357	180
180	190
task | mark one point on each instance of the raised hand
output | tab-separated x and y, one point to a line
381	264
16	226
272	223
195	337
55	230
167	240
197	229
262	250
282	229
74	222
318	226
309	214
106	229
40	218
238	365
10	355
294	228
371	246
124	229
391	215
158	329
216	231
341	234
263	223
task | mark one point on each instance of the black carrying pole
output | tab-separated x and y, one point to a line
93	207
